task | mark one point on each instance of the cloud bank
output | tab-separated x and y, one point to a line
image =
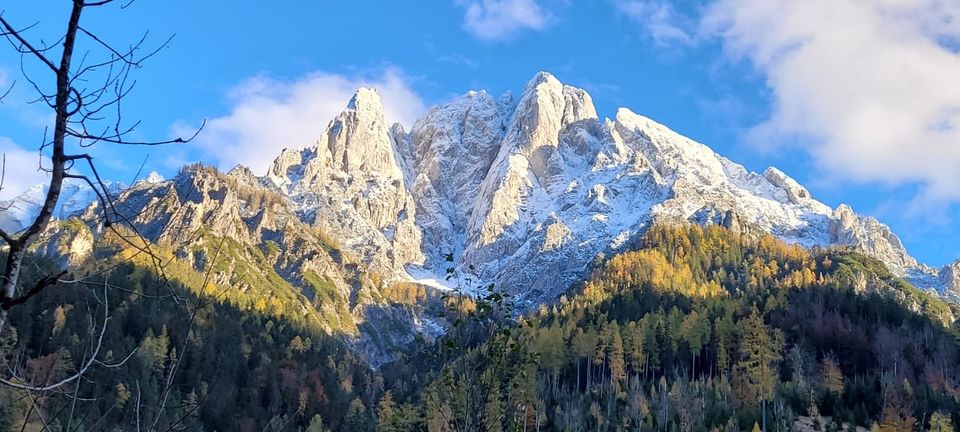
266	115
869	88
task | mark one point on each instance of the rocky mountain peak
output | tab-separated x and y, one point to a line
546	107
359	140
75	196
366	100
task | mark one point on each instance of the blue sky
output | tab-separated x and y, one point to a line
856	100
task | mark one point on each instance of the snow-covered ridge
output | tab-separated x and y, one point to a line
528	193
75	196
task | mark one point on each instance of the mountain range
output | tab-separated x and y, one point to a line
527	193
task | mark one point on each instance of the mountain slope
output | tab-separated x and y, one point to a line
261	257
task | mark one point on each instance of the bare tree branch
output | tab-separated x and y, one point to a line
117	139
11	32
44	282
7	91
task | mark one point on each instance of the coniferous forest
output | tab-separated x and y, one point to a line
694	329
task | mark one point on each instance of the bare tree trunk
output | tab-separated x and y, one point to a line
578	375
18	246
763	404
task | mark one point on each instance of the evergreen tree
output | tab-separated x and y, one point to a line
618	367
832	375
760	356
385	412
493	410
582	348
356	419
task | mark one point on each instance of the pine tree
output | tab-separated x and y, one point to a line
586	352
356	418
601	349
385	412
190	407
760	356
654	326
633	346
695	331
493	409
581	350
723	330
832	376
552	349
618	368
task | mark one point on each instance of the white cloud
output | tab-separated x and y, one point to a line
267	115
21	168
660	19
870	88
501	19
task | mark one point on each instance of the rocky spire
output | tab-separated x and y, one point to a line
359	139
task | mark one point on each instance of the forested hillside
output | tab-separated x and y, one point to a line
697	329
178	353
704	329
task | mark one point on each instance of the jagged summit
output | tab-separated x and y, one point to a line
365	99
359	139
529	192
